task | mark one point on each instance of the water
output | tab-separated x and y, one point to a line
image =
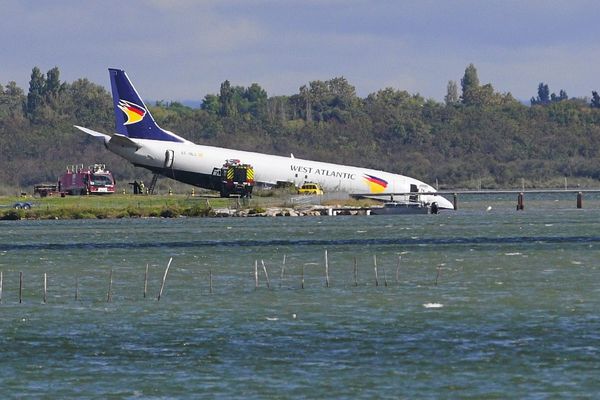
514	312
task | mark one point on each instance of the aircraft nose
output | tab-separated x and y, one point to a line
442	202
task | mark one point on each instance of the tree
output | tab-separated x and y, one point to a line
332	99
562	95
12	100
228	107
53	86
257	100
306	101
543	96
451	97
469	83
595	100
35	97
211	104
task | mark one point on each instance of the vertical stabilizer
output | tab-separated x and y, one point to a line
132	118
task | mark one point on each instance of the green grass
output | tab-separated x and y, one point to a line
111	206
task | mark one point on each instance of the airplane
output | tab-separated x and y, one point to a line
142	142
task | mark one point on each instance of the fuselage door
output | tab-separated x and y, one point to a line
169	156
414	189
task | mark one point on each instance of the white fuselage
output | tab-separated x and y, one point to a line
200	160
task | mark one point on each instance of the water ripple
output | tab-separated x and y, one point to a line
304	242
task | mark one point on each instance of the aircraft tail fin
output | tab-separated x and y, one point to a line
132	117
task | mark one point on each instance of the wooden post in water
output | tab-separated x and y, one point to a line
282	271
520	202
266	274
45	287
255	274
455	201
146	281
20	287
385	283
355	272
210	281
162	285
76	288
398	270
580	200
326	269
302	281
375	267
439	269
109	293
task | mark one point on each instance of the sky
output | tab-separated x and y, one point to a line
181	50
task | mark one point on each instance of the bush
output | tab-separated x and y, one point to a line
198	210
13	215
169	212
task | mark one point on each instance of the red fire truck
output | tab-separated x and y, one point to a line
95	179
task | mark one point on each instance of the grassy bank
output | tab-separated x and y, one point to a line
113	206
166	206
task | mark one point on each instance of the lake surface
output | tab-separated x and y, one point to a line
515	312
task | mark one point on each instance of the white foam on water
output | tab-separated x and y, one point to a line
512	254
361	231
576	262
272	319
433	305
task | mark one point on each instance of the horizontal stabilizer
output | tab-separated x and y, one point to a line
123	141
117	139
93	133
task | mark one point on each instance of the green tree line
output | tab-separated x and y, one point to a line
477	136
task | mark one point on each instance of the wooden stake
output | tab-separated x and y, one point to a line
20	287
520	202
355	272
266	274
210	280
282	271
398	270
162	285
146	281
45	287
375	266
326	269
110	281
302	281
439	269
385	283
255	274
